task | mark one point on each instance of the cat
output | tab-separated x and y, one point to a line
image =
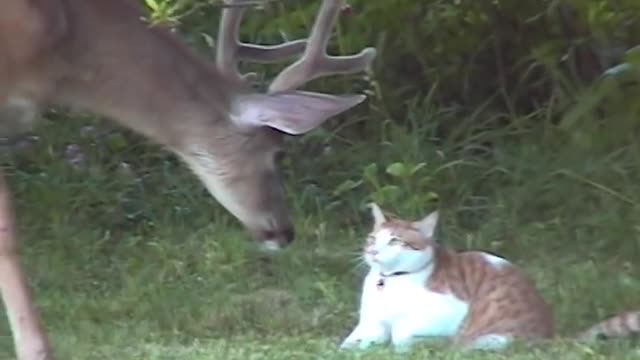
477	301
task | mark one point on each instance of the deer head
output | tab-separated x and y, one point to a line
99	56
240	164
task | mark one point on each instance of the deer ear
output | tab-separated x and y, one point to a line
427	225
378	215
294	113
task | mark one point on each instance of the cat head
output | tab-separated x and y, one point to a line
399	245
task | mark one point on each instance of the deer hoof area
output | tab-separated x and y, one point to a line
34	347
36	354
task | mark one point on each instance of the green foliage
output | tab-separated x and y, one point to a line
401	176
491	64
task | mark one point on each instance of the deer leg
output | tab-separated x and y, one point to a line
29	337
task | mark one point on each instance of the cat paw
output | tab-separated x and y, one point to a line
348	344
365	336
403	344
356	344
351	342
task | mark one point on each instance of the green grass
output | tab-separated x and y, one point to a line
147	266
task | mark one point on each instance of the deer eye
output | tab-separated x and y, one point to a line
411	246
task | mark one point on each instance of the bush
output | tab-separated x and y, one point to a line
473	58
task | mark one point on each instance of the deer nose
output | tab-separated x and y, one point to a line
283	237
288	235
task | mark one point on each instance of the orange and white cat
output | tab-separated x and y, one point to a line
418	288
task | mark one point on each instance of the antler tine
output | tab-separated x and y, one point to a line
316	62
231	50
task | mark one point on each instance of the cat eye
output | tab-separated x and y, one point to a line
397	241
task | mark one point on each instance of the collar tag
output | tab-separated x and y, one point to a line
380	283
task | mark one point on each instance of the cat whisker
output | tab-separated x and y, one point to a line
359	262
355	255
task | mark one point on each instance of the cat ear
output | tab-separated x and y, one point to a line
378	216
427	225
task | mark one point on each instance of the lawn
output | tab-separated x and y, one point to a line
131	259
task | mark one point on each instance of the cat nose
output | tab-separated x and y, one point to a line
371	252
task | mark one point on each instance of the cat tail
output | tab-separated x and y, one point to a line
621	325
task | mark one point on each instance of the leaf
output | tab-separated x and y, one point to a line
397	169
346	186
389	192
333	205
618	69
152	4
417	168
370	172
430	196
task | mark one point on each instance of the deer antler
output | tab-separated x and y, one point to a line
314	63
230	50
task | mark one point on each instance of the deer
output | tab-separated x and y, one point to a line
103	57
